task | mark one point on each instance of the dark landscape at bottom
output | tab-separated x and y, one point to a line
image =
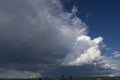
70	78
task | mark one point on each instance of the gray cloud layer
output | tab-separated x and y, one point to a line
36	35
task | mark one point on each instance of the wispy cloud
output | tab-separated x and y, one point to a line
116	54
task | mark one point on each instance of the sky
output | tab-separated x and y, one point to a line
49	38
101	16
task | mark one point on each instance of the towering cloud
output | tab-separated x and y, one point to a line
85	51
39	36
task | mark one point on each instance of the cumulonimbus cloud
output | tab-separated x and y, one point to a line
39	34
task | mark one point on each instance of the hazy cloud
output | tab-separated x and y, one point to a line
15	74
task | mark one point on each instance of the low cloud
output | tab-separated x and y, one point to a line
15	74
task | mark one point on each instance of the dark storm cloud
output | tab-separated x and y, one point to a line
24	37
30	35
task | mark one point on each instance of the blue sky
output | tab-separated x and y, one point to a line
101	16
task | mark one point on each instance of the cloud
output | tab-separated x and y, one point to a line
38	36
32	35
116	54
86	51
89	52
15	74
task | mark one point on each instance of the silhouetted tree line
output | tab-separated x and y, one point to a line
90	78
